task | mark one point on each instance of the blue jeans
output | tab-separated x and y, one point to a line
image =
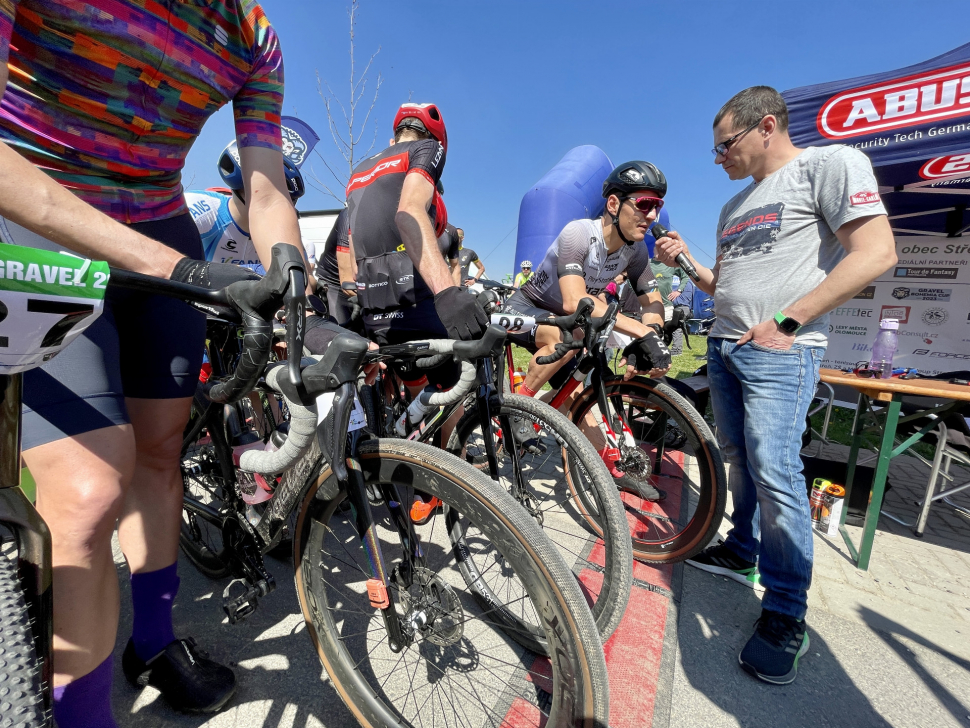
761	397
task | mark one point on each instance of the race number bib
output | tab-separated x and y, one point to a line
514	323
46	300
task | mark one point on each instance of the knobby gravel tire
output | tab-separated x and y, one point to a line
21	688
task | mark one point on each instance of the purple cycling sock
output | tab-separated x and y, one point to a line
86	702
152	596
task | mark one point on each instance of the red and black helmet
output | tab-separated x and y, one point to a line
422	117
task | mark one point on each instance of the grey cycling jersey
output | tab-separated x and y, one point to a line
580	250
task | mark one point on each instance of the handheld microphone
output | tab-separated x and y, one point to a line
659	231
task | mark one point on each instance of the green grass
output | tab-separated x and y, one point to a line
27	484
840	430
682	366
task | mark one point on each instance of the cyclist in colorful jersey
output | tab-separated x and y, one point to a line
581	262
107	98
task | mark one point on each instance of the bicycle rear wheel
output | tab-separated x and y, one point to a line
463	665
572	498
676	449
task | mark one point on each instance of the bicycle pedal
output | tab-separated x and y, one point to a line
239	600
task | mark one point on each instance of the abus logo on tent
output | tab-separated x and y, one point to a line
908	101
946	166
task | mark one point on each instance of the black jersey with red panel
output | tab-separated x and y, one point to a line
386	278
337	242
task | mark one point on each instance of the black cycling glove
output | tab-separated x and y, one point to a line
461	313
214	276
648	352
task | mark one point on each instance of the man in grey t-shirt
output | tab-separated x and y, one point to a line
806	235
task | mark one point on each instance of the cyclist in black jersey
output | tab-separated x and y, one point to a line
334	270
466	257
404	286
581	262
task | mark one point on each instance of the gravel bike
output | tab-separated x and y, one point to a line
577	506
647	430
37	320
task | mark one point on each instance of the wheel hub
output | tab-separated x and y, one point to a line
432	609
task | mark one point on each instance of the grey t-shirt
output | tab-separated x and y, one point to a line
776	238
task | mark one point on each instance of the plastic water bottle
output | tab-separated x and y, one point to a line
884	347
415	413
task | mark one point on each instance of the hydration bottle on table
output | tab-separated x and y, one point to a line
885	347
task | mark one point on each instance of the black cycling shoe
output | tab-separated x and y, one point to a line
188	680
640	488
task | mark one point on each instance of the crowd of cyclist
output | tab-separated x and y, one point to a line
91	149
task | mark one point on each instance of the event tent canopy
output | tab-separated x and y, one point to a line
914	124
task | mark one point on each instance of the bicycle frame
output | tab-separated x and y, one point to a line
592	361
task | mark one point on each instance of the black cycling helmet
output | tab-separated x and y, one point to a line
633	177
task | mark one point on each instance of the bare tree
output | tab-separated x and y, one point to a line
345	128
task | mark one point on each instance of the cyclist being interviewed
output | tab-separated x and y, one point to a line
403	283
103	420
581	262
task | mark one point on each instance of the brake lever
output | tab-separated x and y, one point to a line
332	429
294	301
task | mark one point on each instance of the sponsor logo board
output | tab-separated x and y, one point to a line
922	294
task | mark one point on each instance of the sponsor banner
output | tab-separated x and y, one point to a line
933	312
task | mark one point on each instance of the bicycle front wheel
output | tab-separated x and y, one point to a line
461	664
675	448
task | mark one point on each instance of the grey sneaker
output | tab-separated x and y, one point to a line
721	560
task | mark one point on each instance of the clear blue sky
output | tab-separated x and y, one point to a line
520	83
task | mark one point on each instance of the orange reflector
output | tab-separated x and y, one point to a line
377	593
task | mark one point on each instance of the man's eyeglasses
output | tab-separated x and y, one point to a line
722	148
645	204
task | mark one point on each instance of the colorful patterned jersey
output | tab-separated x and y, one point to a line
107	96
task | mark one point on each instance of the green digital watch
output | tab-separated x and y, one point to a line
787	323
